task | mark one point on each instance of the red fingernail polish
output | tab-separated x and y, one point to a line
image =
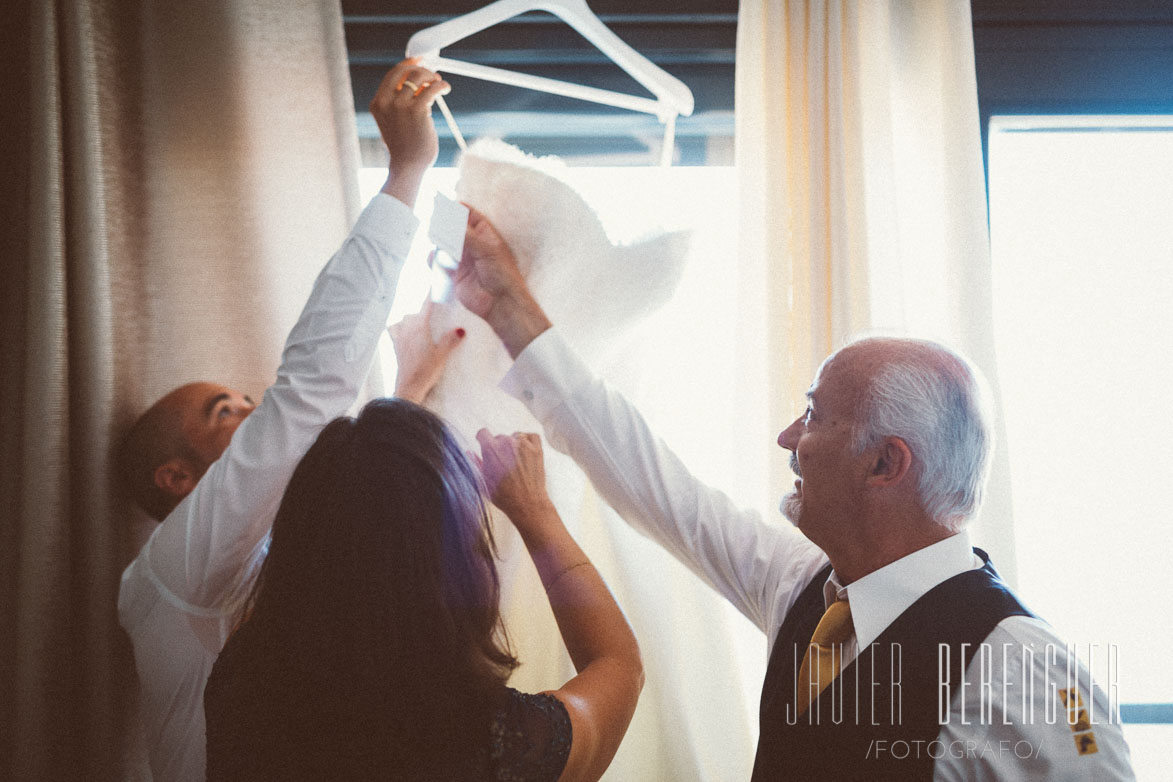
460	333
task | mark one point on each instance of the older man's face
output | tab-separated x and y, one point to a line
830	478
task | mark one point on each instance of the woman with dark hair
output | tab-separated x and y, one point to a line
373	647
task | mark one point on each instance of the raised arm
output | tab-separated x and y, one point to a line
204	551
602	697
755	564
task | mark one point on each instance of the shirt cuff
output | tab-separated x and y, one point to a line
546	374
389	223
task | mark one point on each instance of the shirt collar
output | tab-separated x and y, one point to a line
881	596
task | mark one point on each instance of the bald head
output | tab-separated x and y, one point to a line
169	448
934	400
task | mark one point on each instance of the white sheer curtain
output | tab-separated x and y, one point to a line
863	205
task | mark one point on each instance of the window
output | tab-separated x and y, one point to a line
1082	248
693	40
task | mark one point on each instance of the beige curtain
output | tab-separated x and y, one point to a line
858	148
176	174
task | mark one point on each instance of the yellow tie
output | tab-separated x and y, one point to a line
824	655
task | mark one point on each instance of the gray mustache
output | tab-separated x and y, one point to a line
794	465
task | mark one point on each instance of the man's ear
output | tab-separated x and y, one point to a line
176	477
893	460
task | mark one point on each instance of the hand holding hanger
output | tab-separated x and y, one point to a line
402	108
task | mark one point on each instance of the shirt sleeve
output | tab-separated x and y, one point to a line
199	556
1024	715
757	566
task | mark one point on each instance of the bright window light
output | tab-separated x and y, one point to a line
677	365
686	373
1082	246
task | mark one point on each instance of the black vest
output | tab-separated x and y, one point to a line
853	731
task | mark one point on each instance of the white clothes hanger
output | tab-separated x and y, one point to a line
673	97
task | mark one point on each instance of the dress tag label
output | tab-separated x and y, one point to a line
446	230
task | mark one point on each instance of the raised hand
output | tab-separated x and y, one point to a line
402	108
421	360
489	283
515	476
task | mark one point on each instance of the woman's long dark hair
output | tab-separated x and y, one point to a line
378	600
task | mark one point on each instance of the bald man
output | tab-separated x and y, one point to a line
895	650
212	465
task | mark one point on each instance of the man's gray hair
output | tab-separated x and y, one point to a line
937	402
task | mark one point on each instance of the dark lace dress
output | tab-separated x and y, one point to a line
262	725
529	738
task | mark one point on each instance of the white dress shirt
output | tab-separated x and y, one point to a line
763	567
180	596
